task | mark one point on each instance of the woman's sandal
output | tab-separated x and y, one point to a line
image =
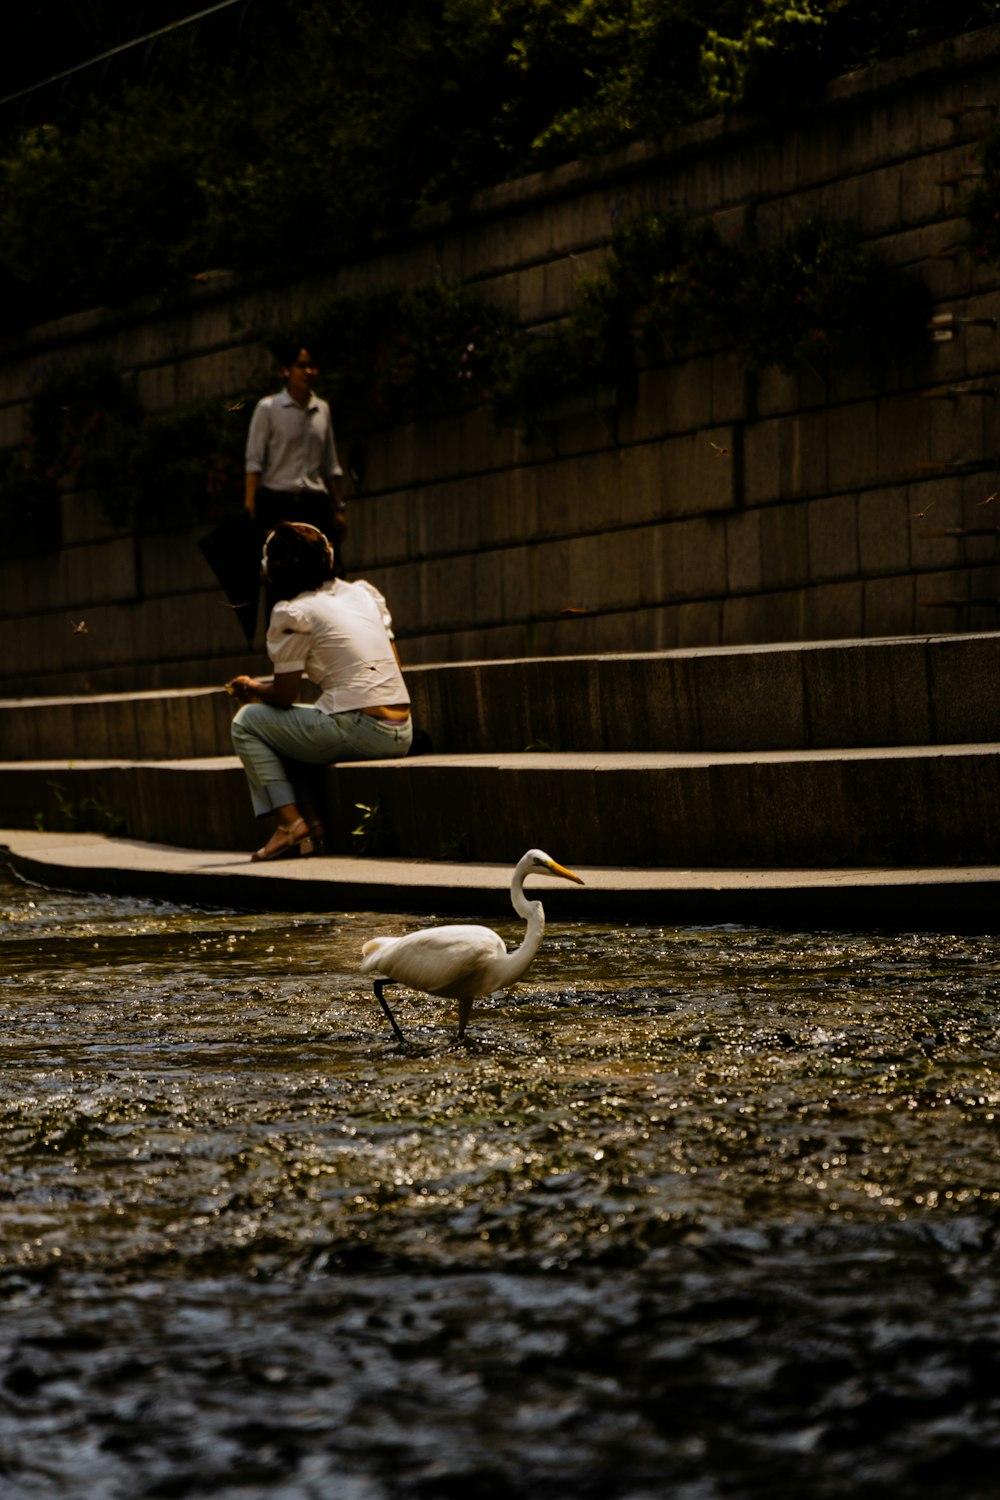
295	842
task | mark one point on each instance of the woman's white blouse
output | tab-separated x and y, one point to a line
340	636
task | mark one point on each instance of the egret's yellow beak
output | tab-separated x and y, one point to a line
555	869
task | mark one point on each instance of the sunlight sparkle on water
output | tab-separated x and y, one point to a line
712	1208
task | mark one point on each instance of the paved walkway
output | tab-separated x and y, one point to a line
966	898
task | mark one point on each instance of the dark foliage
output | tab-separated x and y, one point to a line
273	135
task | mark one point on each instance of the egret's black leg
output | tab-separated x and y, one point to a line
385	1006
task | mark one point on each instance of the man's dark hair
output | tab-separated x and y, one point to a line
286	350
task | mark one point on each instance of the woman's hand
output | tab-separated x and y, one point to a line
244	689
280	692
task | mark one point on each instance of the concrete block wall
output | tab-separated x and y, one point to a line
837	509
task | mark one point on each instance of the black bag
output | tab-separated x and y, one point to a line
232	550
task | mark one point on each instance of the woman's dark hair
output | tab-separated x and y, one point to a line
299	559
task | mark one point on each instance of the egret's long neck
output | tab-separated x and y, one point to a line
519	959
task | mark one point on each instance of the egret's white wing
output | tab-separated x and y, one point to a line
435	959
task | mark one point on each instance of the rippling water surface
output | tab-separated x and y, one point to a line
697	1213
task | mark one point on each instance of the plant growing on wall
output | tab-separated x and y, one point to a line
675	277
817	298
390	353
588	352
81	427
982	206
90	815
814	298
30	509
662	278
85	429
188	465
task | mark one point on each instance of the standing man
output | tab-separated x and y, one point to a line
292	469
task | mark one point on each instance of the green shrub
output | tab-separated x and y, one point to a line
816	297
776	58
188	465
90	815
82	426
157	473
324	125
395	352
588	351
982	206
676	277
30	508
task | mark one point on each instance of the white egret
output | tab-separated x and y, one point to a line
462	962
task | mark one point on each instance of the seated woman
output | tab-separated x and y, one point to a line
340	635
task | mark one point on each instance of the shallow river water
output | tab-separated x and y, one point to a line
696	1213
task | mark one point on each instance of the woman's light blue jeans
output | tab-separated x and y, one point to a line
279	747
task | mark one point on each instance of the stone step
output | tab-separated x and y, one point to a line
942	899
816	695
904	806
813	695
177	723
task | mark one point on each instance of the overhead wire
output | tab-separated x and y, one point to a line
105	57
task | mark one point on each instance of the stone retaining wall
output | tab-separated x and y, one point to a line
837	509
